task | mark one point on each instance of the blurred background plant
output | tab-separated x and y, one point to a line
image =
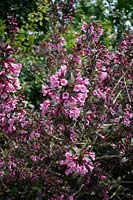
116	16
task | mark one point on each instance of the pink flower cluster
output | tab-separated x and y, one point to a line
72	163
62	96
12	24
128	115
9	84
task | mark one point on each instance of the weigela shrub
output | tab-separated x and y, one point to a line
79	145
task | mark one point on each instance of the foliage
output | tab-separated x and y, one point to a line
115	16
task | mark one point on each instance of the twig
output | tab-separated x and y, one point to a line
112	156
129	98
119	81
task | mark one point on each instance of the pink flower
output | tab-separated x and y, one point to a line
80	88
9	105
44	106
77	88
98	93
62	41
69	155
62	197
11	165
62	71
91	167
105	194
86	81
103	178
71	198
65	95
55	97
81	98
33	158
68	171
34	135
81	169
73	136
10	88
79	79
92	155
73	100
70	102
83	89
78	60
13	68
1	163
64	82
45	90
67	103
127	121
2	173
74	113
84	26
103	75
54	81
17	84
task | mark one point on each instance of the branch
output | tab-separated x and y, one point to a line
112	156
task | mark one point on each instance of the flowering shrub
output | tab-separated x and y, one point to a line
78	146
9	83
65	97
